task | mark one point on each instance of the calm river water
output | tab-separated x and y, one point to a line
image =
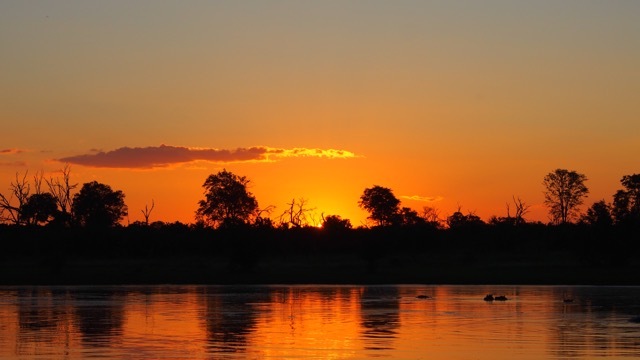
319	322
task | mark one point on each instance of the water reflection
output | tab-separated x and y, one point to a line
319	322
35	312
231	315
380	308
99	315
596	321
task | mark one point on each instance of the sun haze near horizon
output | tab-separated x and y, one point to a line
447	103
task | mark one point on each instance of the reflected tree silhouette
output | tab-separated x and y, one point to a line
380	319
229	318
37	312
99	316
571	339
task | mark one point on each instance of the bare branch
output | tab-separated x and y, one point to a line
297	214
61	190
147	211
10	210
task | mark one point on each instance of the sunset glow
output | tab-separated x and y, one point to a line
329	322
450	104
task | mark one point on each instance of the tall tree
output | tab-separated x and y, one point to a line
97	205
381	204
227	201
626	202
564	193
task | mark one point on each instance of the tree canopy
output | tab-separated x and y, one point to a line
97	205
381	204
564	193
39	208
626	202
227	201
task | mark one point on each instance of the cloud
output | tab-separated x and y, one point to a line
10	151
13	163
165	155
303	152
422	198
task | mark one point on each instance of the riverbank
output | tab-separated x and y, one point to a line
333	269
179	254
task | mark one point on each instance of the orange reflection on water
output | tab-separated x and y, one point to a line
323	322
39	323
164	322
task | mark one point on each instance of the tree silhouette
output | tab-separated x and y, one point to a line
517	219
410	217
146	212
460	220
432	216
381	204
10	207
521	209
97	205
61	190
227	201
599	214
296	214
626	202
39	208
335	223
565	191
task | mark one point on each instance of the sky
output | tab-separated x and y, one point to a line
451	104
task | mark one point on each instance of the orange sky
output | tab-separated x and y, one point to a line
467	103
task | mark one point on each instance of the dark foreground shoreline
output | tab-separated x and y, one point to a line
178	254
317	270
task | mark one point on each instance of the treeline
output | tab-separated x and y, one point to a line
181	253
227	203
52	234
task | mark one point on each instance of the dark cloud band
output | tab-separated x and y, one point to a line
165	155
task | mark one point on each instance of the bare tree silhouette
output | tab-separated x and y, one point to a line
521	209
146	212
10	207
62	189
297	214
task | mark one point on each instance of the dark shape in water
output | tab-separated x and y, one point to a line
567	301
501	298
422	297
635	320
489	297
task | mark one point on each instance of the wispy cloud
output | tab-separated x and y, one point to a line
166	155
12	163
10	151
422	198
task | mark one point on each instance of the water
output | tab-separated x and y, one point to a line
319	322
